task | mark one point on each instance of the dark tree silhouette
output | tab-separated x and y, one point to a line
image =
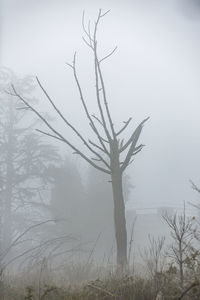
111	154
24	157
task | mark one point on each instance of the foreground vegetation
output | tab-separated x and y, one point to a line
125	288
163	271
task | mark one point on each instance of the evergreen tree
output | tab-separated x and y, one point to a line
24	159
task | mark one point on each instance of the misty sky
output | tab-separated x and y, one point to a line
155	72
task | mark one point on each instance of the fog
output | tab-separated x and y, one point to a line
154	73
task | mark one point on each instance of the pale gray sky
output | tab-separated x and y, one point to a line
155	72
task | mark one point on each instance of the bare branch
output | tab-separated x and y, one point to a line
58	134
96	118
194	186
69	124
98	96
98	74
107	56
132	136
96	67
85	41
96	159
94	48
124	127
104	14
133	142
85	107
95	145
49	134
104	95
23	108
137	149
70	65
36	112
87	32
104	140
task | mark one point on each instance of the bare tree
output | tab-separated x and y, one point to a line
182	233
155	260
111	154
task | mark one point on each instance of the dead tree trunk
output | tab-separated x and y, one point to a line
119	220
111	154
119	208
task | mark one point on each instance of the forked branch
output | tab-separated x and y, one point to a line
59	135
94	128
136	132
68	123
132	142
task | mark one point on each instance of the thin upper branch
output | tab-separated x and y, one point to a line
107	56
49	134
96	118
105	101
124	127
97	146
87	31
69	124
85	106
98	91
98	73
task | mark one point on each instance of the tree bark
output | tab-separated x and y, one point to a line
119	208
120	221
